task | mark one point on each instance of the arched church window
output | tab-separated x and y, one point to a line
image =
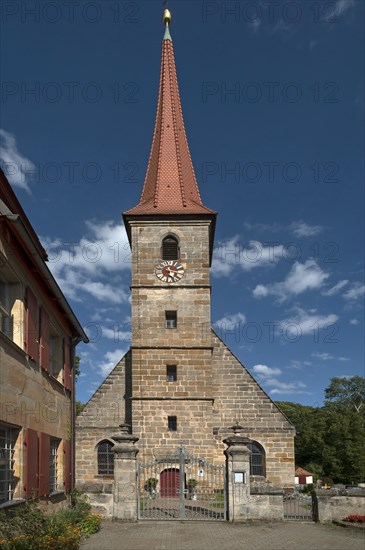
257	459
105	459
170	248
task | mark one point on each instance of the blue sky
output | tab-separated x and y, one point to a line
272	96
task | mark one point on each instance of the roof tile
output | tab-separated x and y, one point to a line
170	185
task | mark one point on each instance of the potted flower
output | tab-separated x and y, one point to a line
150	486
192	483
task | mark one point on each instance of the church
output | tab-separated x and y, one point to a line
179	384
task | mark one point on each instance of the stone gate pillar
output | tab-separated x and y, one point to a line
238	475
125	475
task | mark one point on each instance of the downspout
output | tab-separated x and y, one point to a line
75	342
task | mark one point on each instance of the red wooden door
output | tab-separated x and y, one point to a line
170	483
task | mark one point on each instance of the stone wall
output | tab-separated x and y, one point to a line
99	420
30	398
239	397
338	507
266	507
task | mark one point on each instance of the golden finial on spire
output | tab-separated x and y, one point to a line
167	17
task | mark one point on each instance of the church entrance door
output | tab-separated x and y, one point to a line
181	486
170	483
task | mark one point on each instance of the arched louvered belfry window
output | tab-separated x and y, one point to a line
105	459
257	459
170	248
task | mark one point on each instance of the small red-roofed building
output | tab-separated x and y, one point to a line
303	477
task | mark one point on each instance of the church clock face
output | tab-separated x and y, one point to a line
169	271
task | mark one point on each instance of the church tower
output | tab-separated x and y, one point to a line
179	385
171	236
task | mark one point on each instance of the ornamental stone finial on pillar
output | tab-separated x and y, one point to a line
238	474
125	474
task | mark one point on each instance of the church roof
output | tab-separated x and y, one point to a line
170	186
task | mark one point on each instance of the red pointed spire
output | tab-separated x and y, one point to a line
170	185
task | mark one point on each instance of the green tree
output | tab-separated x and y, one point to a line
330	440
349	392
79	407
77	366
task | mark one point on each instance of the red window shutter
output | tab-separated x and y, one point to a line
44	464
67	465
31	443
31	339
67	380
45	352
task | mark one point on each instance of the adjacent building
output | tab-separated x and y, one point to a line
38	335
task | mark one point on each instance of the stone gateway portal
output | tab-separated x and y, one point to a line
179	385
181	487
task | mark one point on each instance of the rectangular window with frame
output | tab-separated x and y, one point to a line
8	437
171	319
6	304
172	423
171	373
55	354
53	466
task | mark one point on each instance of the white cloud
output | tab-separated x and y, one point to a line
266	376
93	266
302	277
118	333
354	322
295	364
260	291
342	6
230	322
111	359
16	166
230	255
265	227
104	248
356	291
335	289
304	323
324	356
266	371
302	229
288	388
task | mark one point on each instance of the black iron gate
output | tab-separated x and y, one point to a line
181	487
301	507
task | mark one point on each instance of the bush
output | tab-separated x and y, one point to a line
308	489
27	528
90	525
24	519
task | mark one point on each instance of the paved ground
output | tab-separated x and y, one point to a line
205	535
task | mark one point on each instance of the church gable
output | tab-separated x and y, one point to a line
240	397
107	406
